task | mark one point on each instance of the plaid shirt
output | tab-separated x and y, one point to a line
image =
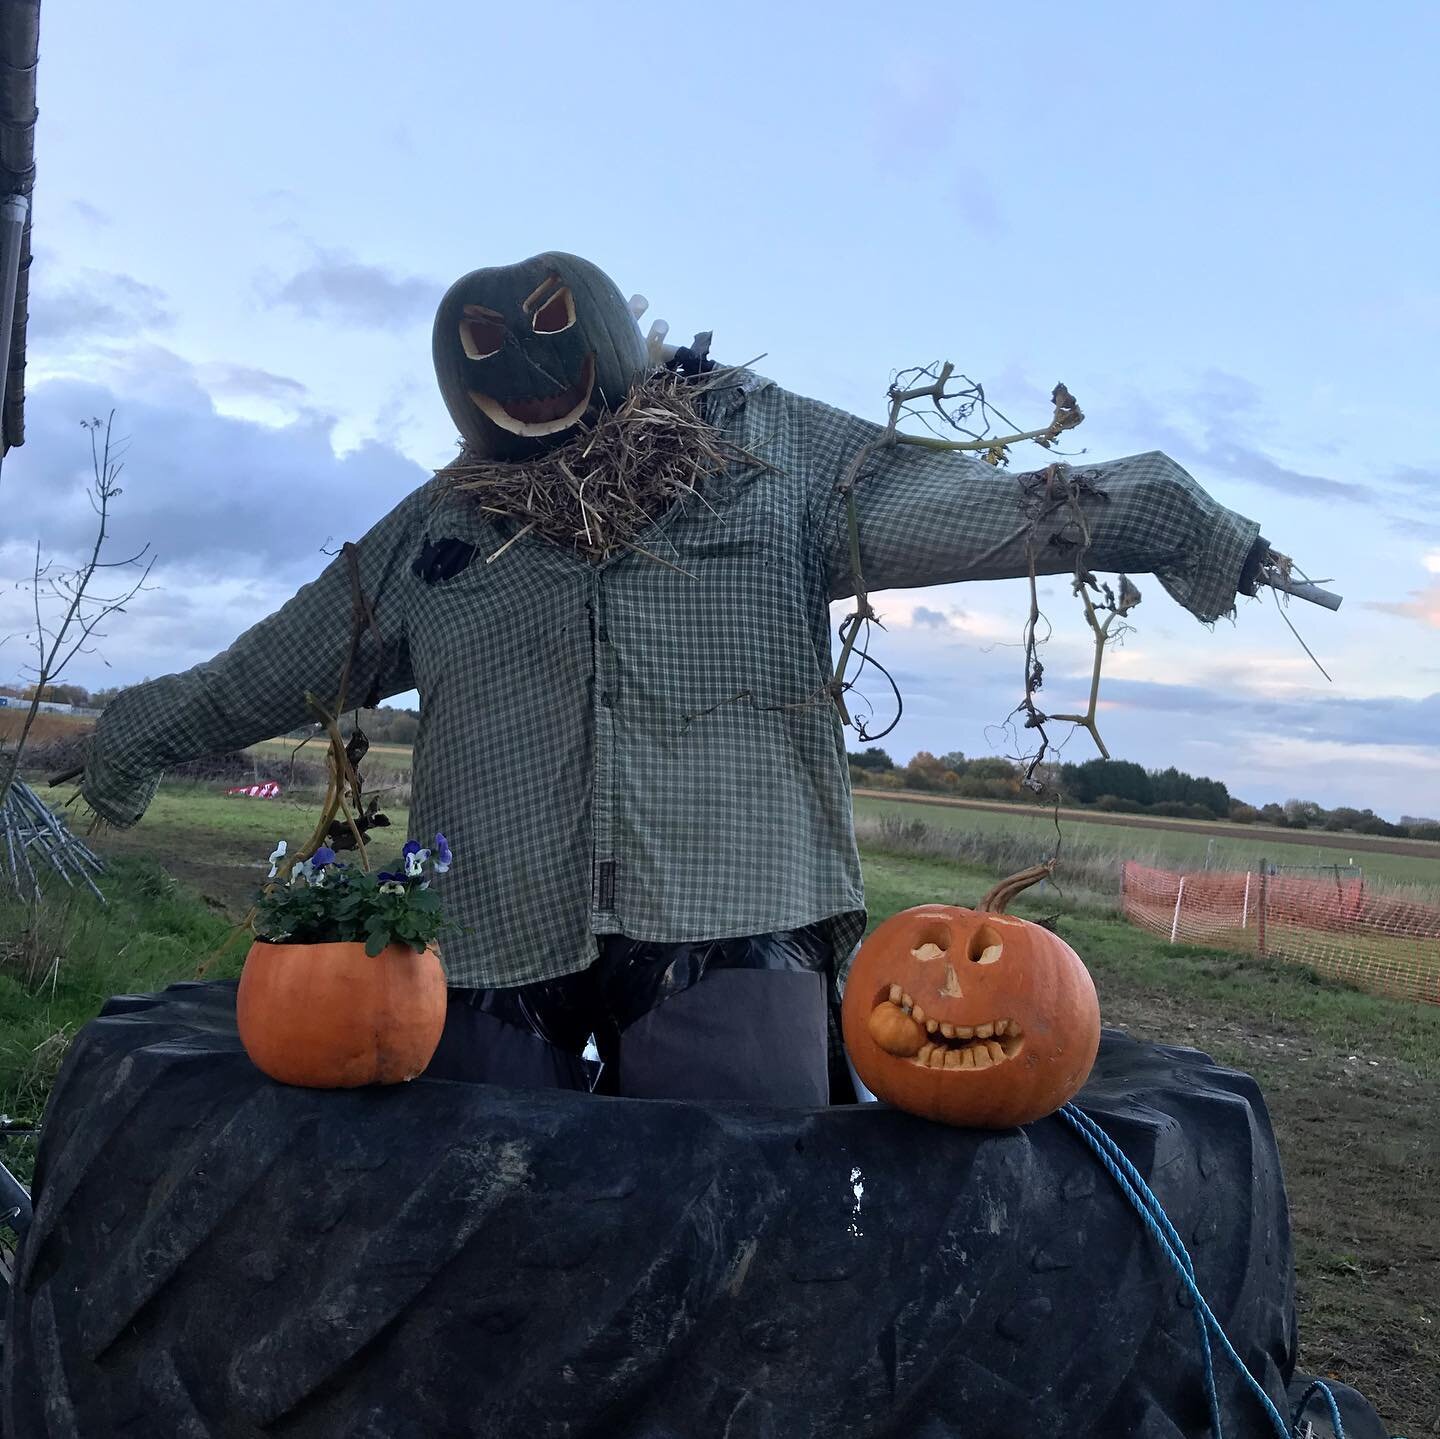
626	748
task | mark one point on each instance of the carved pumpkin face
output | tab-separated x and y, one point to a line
970	1017
524	352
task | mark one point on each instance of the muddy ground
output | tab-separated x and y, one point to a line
1359	1136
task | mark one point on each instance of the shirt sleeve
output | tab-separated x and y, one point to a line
256	689
932	517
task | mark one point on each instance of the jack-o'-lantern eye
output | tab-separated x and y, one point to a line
551	307
482	332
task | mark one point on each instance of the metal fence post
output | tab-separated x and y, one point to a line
1175	923
1260	910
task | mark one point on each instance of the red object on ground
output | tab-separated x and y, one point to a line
268	790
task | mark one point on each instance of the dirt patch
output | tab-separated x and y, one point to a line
1361	1149
225	886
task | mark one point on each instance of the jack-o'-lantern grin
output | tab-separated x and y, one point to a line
901	1027
544	414
527	354
973	1017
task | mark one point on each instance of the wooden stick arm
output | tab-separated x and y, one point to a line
1302	589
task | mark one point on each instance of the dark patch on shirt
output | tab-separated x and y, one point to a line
442	560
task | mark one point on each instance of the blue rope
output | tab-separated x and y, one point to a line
1321	1387
1148	1207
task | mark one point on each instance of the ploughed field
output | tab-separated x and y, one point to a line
1352	1080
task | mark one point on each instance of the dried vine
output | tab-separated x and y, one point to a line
959	417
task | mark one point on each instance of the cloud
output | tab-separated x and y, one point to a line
1370	720
1427	531
1412	477
1217	418
89	213
336	286
235	511
96	305
1245	462
1423	605
921	616
247	382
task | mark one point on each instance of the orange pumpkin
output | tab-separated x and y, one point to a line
972	1017
330	1016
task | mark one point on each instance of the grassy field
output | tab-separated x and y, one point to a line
397	755
47	725
1352	1081
1153	842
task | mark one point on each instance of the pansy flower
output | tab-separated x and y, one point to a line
275	857
443	856
323	856
415	858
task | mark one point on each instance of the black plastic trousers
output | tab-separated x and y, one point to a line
740	1020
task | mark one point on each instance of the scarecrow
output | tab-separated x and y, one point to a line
615	608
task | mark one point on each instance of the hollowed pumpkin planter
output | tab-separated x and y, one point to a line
971	1017
330	1016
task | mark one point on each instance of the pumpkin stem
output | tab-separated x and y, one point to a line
996	899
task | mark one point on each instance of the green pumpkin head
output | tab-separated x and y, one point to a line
524	352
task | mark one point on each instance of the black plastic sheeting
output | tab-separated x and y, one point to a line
216	1254
632	976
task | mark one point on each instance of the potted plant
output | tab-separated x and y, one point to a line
343	984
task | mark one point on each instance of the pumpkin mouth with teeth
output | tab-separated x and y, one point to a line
546	414
903	1028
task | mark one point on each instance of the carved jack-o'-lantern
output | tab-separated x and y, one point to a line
972	1017
523	352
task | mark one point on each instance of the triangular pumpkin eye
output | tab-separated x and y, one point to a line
556	314
482	332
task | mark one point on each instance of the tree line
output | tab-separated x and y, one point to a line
1119	786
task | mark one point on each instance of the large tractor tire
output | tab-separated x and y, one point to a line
214	1254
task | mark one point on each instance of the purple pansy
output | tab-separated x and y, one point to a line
323	856
442	854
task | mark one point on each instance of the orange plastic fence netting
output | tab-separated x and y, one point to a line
1335	926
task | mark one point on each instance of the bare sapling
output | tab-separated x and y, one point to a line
70	603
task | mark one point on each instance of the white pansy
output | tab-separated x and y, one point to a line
276	856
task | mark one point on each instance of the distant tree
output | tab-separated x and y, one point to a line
990	767
873	758
58	694
955	760
924	772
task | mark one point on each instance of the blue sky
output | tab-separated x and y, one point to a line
1216	224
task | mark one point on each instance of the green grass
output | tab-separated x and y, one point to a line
193	844
1152	844
61	960
397	755
1218	985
